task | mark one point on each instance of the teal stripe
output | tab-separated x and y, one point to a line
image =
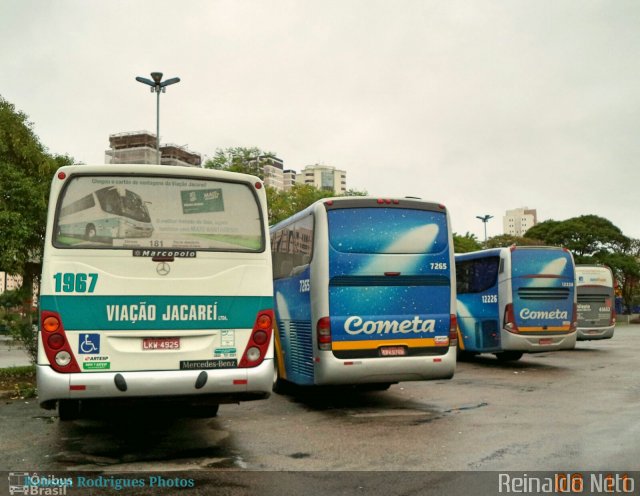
124	313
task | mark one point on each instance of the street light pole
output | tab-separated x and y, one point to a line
485	219
157	85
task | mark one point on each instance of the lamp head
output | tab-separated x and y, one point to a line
157	77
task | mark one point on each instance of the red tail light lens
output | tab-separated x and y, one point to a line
323	332
56	345
510	320
453	330
56	341
613	317
260	337
259	340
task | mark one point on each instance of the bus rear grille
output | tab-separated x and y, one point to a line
352	281
592	298
543	293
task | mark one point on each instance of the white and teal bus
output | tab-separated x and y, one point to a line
178	312
596	302
516	300
364	293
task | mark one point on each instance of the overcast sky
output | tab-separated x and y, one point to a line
481	105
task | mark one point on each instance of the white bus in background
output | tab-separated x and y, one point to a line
181	315
596	302
111	212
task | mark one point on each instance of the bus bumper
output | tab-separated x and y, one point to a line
332	370
231	385
588	333
537	343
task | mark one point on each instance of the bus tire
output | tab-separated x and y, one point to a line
508	356
68	410
90	231
280	385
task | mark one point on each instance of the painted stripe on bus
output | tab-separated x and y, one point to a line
373	344
124	313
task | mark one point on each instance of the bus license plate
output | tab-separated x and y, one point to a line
545	341
161	343
393	351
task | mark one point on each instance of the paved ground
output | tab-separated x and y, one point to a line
11	354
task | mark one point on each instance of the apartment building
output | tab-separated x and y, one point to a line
518	221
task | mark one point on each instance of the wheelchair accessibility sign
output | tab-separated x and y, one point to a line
89	344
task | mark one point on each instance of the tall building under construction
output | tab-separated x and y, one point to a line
140	148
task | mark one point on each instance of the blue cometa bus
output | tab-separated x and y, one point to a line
364	293
516	300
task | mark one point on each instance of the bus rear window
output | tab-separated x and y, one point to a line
124	212
387	230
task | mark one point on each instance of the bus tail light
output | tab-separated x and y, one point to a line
510	320
612	318
56	345
259	340
323	331
453	330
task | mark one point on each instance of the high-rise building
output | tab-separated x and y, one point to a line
271	171
288	179
139	147
518	221
324	177
9	282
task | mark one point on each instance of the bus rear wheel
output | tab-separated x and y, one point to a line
280	385
508	356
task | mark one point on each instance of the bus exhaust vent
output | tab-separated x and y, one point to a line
543	293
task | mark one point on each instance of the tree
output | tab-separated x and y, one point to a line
466	243
583	236
239	159
283	204
503	240
355	192
26	170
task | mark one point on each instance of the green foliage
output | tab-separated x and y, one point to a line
283	204
466	243
20	381
583	236
504	240
16	320
26	170
355	192
239	159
